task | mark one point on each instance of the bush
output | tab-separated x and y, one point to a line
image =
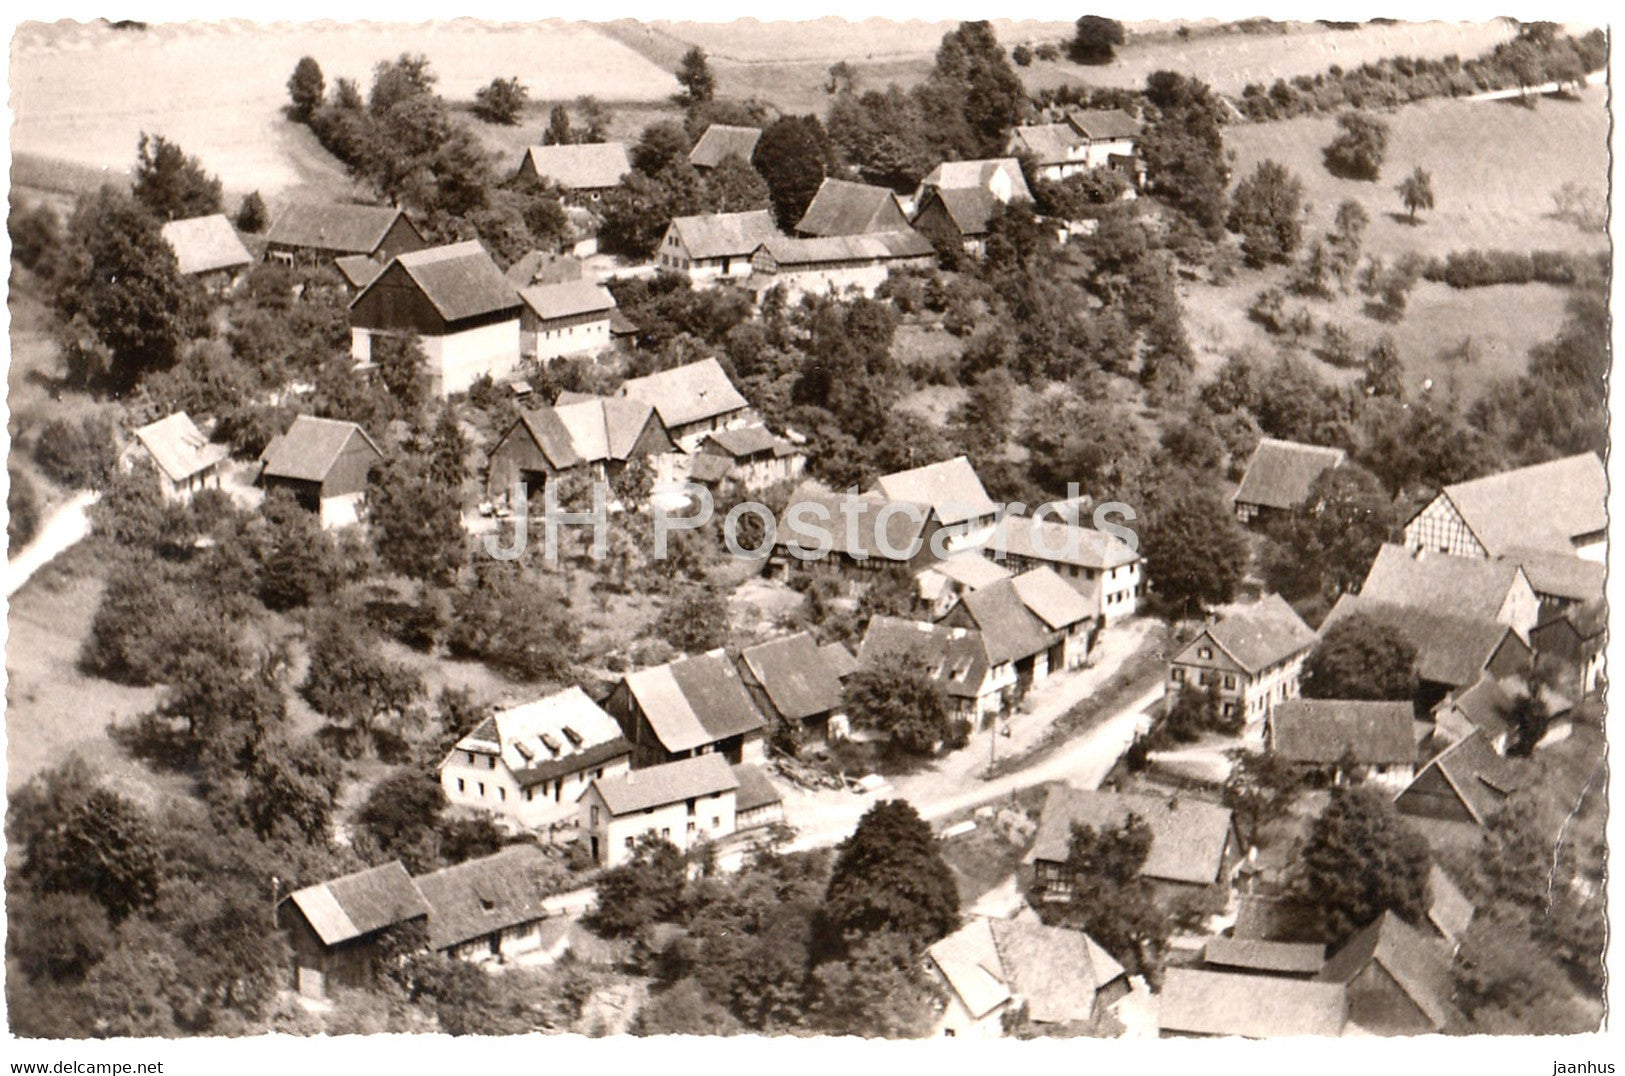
1269	310
502	101
1358	152
77	455
22	504
1022	55
1337	347
1048	52
1484	268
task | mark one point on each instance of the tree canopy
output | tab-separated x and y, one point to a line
1363	859
1360	658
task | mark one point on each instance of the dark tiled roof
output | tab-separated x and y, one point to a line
545	428
1481	778
842	207
1459	586
1546	506
560	734
904	530
755	790
1259	635
1486	704
1103	123
672	782
1255	954
581	167
953	655
309	449
1010	630
1450	650
694	701
483	896
1560	574
460	280
952	487
746	441
1188	836
1321	731
1197	1002
693	392
332	227
543	267
794	674
725	235
1280	473
1417	963
361	903
1056	972
721	141
969	208
204	244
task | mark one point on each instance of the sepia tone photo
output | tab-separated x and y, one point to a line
894	528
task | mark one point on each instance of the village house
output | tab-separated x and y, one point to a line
1474	587
324	463
837	264
695	705
583	171
567	318
955	658
458	305
1576	638
491	908
1466	783
941	585
714	246
957	215
1279	476
595	436
686	802
851	538
336	929
1560	580
1200	1002
1252	655
1452	652
692	401
1000	970
1397	979
1194	846
757	804
999	176
953	491
1488	706
721	141
1257	956
185	460
208	249
317	233
751	457
1033	621
842	207
1102	567
1376	739
1112	135
1556	507
1057	150
792	681
530	763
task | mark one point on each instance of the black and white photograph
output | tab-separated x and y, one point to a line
922	525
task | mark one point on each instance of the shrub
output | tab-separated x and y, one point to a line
1358	151
22	504
1269	310
1337	347
502	101
78	455
1022	55
1484	268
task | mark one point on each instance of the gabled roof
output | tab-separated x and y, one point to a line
951	487
694	701
1048	143
563	733
1449	910
1589	620
178	447
1103	123
358	270
725	235
959	175
1480	778
795	675
332	227
755	789
1010	631
1060	543
204	244
1259	635
1255	954
690	393
905	525
358	904
672	782
1560	574
1414	961
1486	704
310	448
969	569
1051	599
1056	972
1450	650
968	208
1188	835
604	428
1280	473
1197	1002
582	166
1546	506
1459	586
842	207
1322	731
791	251
839	660
543	267
485	895
567	299
746	441
459	280
954	656
721	141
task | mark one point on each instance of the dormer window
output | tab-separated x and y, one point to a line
1204	652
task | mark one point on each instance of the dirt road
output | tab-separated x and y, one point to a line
65	528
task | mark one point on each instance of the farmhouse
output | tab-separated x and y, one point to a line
715	245
995	968
1058	151
567	318
1473	587
852	537
531	763
1560	580
1467	783
207	248
685	802
695	705
955	657
1556	507
1397	979
837	264
792	681
721	141
584	170
954	493
842	207
941	585
336	928
1193	842
1452	652
1253	656
1576	637
957	215
1255	956
597	436
1101	567
1112	135
1279	476
324	463
1376	739
1033	621
456	302
754	458
489	908
186	461
999	176
315	233
692	401
1198	1002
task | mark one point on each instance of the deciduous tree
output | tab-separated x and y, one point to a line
1416	191
1095	41
1363	859
889	875
1359	658
170	184
1267	211
1359	148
